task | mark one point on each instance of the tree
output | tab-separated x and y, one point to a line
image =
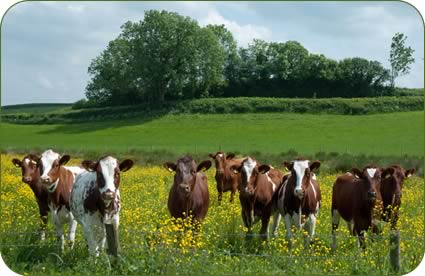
401	57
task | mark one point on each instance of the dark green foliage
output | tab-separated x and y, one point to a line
356	106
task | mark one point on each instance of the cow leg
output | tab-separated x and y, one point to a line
311	227
276	220
288	224
72	229
232	195
335	223
43	226
59	229
265	218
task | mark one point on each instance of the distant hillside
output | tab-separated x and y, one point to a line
340	106
35	108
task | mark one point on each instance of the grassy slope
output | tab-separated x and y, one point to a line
385	134
35	108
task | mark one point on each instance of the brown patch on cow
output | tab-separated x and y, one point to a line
61	195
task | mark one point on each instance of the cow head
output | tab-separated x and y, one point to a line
29	167
249	170
302	173
185	176
220	158
50	166
392	180
108	171
371	180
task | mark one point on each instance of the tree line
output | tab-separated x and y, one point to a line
167	56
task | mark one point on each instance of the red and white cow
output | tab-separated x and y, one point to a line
258	186
58	181
31	176
299	197
95	202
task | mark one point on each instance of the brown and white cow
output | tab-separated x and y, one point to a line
258	185
354	197
31	176
298	198
95	202
391	190
225	177
189	194
58	180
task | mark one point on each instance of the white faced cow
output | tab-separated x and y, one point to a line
298	198
59	180
95	202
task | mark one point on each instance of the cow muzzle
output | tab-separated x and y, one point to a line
299	193
108	195
27	179
46	179
185	188
371	196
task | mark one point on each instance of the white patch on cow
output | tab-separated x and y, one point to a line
299	168
371	171
274	186
313	176
75	170
220	155
27	161
280	201
314	190
249	166
108	166
47	159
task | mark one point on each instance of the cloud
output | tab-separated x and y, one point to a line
44	82
244	34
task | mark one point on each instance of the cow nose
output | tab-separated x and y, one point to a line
299	192
108	195
45	179
371	195
185	188
27	179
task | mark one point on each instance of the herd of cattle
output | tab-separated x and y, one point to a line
89	194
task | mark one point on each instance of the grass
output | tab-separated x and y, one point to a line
382	134
152	243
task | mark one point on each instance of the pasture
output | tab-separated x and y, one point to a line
152	242
390	134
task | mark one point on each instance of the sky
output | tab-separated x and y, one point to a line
46	47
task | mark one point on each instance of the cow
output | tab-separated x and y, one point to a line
58	180
355	195
95	202
226	179
391	191
31	176
258	185
189	194
298	198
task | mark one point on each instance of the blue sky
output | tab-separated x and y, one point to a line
47	46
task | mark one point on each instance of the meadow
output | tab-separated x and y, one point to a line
153	243
379	134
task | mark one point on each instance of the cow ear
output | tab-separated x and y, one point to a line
206	164
288	165
264	169
357	173
89	165
126	165
230	156
64	159
17	162
212	155
315	165
386	172
236	168
170	166
409	172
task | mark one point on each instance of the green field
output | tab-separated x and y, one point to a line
384	134
35	108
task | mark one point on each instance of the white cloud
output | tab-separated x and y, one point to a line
244	34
